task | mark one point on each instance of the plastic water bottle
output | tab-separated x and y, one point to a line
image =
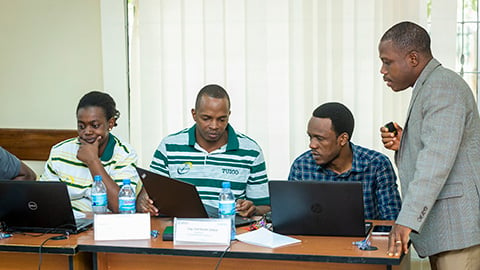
4	235
126	198
99	195
226	205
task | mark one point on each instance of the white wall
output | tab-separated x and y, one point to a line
50	55
53	52
115	65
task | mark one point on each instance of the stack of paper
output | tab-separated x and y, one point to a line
266	238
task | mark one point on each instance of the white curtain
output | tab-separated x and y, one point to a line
278	60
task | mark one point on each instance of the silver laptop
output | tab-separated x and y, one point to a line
38	206
176	198
317	208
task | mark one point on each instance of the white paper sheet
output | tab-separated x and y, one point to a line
265	238
121	226
202	231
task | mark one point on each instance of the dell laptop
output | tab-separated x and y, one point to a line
317	208
38	206
180	199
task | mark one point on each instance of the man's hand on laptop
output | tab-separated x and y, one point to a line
245	208
145	204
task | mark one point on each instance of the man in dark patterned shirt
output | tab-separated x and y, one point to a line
334	158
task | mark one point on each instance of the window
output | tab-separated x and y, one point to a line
467	42
467	55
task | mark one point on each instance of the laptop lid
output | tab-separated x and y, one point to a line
38	206
180	199
317	208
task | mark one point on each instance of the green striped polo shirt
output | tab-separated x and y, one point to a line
240	162
118	159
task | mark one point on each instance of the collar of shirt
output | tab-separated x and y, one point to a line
358	165
232	143
108	153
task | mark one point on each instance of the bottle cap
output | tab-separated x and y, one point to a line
97	178
225	184
126	181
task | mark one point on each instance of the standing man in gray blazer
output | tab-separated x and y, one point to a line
437	153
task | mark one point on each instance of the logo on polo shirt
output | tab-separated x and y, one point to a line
184	168
230	171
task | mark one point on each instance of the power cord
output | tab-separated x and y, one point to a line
222	255
30	234
56	237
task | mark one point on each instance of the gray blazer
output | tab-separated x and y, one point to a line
439	163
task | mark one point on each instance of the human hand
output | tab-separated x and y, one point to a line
88	151
145	204
398	240
389	139
245	208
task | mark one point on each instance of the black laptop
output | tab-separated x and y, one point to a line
180	199
38	206
317	208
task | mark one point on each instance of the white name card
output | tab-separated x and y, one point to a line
121	226
202	231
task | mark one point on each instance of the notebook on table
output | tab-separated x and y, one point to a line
318	208
38	206
180	199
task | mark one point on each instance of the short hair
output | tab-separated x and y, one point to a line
408	36
214	91
339	114
102	100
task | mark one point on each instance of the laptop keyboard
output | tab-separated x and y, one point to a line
83	223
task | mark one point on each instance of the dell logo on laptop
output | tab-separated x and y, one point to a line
32	205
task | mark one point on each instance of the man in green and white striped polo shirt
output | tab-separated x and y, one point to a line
211	152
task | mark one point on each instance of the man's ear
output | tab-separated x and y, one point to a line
194	115
343	139
413	59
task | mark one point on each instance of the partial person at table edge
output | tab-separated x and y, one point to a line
12	168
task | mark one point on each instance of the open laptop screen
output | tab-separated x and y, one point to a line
37	206
317	208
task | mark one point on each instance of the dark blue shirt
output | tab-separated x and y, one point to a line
380	191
